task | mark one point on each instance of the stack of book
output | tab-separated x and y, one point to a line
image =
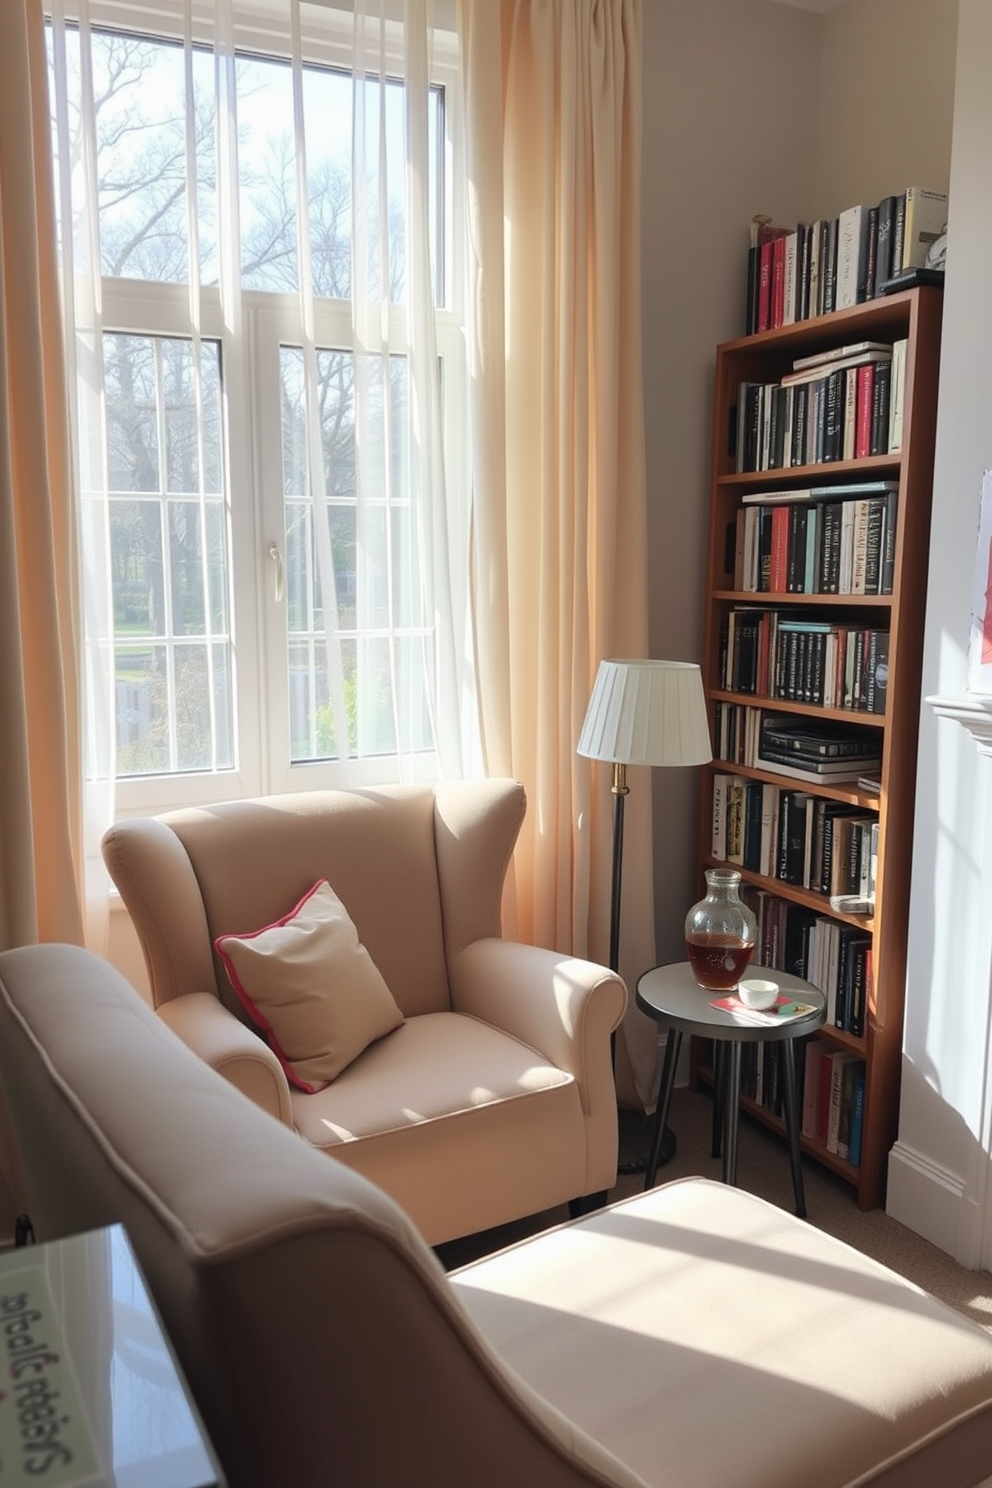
832	539
833	1082
797	837
833	955
831	664
842	404
836	262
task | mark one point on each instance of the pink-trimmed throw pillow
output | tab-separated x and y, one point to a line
312	988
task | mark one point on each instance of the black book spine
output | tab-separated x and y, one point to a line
888	561
830	554
871	257
830	278
880	408
796	576
873	545
878	671
898	233
751	291
799	403
883	250
802	270
833	418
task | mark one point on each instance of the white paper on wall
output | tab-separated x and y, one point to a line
980	639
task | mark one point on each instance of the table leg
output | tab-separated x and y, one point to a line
792	1123
673	1044
732	1097
719	1095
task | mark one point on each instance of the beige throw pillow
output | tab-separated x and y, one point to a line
312	988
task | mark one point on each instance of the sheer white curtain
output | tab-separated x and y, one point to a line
410	647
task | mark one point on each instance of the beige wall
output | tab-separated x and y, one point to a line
752	106
720	76
887	100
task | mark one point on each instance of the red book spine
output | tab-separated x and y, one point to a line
778	282
765	285
778	578
863	408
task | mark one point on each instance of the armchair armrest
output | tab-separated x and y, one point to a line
562	1006
232	1049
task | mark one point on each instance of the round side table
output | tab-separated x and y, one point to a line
672	997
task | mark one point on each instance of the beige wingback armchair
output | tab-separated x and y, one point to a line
495	1099
691	1337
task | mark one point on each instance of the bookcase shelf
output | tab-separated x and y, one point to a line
912	316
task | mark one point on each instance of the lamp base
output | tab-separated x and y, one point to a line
636	1134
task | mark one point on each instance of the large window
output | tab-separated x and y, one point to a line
271	526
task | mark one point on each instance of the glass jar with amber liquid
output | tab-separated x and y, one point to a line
720	932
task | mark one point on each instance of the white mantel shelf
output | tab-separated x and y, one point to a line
973	711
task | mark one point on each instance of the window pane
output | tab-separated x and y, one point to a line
142	710
170	556
132	413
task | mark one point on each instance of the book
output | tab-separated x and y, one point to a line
897	388
828	266
925	220
845	1114
857	1116
777	498
848	489
852	257
881	385
721	791
839	353
883	244
877	671
882	353
838	1061
812	1054
797	772
826	769
785	1009
898	231
826	740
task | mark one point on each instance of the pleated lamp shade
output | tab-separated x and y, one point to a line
647	713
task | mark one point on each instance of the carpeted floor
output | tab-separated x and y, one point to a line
763	1168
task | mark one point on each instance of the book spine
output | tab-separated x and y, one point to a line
896	395
751	290
883	249
866	288
857	1119
833	417
873	546
777	308
864	400
764	286
898	232
881	384
830	256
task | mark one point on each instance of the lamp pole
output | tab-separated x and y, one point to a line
620	790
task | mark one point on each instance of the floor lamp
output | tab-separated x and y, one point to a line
642	713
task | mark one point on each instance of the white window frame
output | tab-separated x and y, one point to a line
252	439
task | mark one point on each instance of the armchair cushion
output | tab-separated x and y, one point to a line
312	988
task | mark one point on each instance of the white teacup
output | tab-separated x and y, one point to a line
756	992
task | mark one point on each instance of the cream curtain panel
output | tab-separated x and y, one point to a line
40	776
553	102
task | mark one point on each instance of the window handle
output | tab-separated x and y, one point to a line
275	553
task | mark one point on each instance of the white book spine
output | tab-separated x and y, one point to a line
849	234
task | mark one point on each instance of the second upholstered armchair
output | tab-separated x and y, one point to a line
337	955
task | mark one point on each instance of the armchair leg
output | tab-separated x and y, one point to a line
587	1204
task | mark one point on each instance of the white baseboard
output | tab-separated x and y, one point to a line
929	1200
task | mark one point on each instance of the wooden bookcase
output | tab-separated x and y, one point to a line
913	315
